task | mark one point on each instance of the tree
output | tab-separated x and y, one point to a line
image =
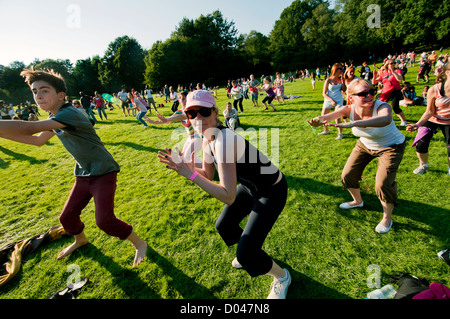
286	39
317	32
13	89
422	22
201	50
85	75
255	49
122	65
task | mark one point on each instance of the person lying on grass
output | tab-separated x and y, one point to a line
95	168
261	194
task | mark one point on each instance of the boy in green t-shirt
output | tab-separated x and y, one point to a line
95	169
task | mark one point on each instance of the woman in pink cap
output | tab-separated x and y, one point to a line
261	194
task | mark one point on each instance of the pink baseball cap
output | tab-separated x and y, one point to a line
200	98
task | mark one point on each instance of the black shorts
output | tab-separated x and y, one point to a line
268	99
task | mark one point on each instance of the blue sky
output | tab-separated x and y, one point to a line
78	29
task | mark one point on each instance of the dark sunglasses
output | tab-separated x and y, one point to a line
204	112
365	93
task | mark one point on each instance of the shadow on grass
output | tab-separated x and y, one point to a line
437	218
303	287
18	156
139	124
182	283
135	288
135	146
127	280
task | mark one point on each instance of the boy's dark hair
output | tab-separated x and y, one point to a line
49	76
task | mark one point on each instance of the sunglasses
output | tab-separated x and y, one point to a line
365	93
204	112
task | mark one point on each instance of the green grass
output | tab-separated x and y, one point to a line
326	249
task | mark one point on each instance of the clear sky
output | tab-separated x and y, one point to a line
78	29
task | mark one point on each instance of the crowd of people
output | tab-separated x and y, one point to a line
250	185
24	112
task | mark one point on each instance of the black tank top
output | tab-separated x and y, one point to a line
253	169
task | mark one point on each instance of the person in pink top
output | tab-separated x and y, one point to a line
279	87
391	77
100	105
436	116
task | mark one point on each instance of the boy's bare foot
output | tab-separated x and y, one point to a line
140	246
141	252
80	240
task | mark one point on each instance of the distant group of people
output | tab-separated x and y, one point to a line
22	112
249	89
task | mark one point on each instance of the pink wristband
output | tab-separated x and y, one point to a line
193	176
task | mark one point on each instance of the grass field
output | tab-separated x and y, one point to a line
327	250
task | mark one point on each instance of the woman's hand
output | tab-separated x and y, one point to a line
176	161
412	127
315	122
161	117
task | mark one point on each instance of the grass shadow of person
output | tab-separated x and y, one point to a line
436	217
135	146
304	287
18	156
182	283
126	279
132	284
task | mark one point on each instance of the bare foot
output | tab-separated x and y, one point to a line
140	246
141	252
80	240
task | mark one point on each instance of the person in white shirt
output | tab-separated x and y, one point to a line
174	99
149	97
123	96
371	121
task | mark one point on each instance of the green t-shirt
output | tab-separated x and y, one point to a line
83	143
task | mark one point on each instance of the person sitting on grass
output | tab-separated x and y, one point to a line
231	117
371	121
95	168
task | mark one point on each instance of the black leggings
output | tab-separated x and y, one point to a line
424	143
395	98
235	104
262	212
268	99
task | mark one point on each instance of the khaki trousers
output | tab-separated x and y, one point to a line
389	160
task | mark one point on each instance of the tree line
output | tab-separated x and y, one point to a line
209	49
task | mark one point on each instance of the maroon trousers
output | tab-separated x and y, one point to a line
103	189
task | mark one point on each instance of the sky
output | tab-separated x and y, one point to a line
79	29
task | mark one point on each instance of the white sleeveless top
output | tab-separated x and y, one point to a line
377	138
